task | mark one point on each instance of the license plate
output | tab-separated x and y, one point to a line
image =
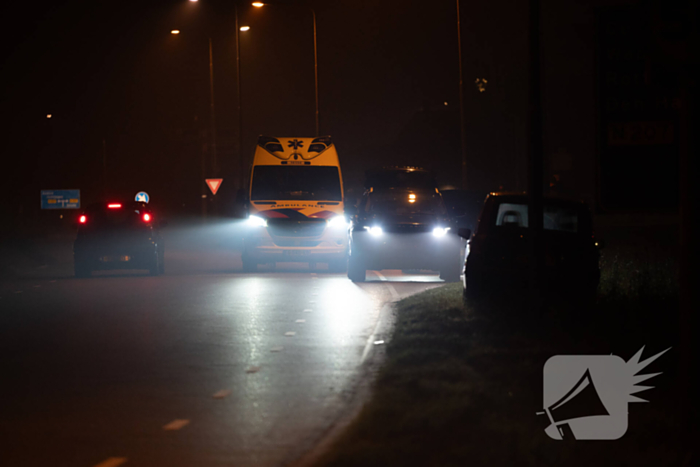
296	252
112	259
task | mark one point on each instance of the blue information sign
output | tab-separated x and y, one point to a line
142	196
60	199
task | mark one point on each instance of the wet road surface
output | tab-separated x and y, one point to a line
204	366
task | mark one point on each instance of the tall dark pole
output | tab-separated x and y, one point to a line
313	15
104	166
212	118
462	128
240	180
535	160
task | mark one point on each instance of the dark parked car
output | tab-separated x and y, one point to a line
118	235
398	228
498	259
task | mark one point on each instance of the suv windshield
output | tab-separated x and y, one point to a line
273	182
559	218
404	202
400	179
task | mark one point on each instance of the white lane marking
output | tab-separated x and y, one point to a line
277	349
112	462
307	310
253	369
314	294
380	342
221	394
300	321
371	339
312	301
290	333
176	424
314	277
394	294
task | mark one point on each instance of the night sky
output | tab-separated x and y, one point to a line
388	87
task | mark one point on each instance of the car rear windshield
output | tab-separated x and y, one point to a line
405	203
559	218
273	182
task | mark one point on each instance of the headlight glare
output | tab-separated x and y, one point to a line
256	221
338	222
440	231
375	230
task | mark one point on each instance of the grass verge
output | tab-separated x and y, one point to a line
462	386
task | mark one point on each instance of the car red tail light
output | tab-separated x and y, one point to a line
82	219
147	217
114	205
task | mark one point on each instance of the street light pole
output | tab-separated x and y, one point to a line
463	130
212	119
313	16
241	166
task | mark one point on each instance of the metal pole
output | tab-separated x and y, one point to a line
461	101
104	166
212	119
241	166
536	166
313	14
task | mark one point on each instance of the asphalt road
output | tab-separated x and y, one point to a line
204	366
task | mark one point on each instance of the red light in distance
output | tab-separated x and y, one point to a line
82	219
146	217
114	205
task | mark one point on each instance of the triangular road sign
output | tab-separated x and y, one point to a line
214	184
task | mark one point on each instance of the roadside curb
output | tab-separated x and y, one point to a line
373	357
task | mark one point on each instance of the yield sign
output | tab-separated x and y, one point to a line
214	184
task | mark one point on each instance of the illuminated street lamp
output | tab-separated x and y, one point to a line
244	28
313	15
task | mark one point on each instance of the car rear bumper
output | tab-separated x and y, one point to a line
97	258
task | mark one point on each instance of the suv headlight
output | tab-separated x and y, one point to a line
338	222
256	221
440	231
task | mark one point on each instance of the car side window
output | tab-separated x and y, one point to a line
562	219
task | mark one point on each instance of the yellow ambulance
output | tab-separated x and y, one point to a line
296	211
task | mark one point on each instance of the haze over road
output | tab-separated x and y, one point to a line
198	367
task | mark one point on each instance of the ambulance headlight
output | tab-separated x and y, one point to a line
440	231
256	221
338	222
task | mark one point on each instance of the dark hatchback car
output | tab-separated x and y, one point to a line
398	228
118	235
498	258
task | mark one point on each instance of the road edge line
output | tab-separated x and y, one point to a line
372	359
